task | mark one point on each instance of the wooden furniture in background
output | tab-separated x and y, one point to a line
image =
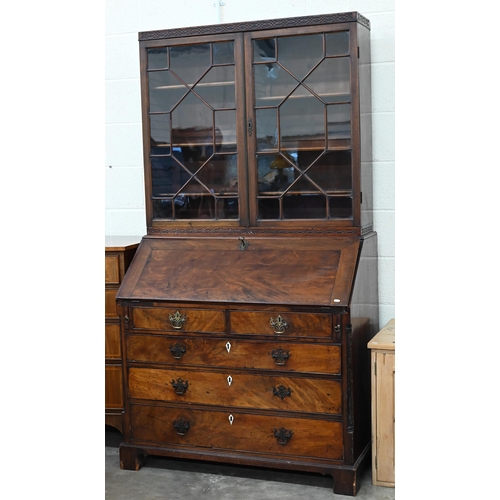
246	312
119	251
383	353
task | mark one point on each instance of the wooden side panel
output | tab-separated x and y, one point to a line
112	269
110	303
384	418
248	432
236	389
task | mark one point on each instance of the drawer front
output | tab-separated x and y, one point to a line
215	429
178	320
110	303
112	269
237	389
113	387
112	341
281	323
235	353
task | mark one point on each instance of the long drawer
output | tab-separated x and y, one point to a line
235	353
236	389
220	429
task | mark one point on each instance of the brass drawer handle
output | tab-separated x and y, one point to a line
177	320
278	324
280	356
177	350
181	426
282	435
282	392
180	386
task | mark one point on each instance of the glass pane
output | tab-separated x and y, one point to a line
167	176
341	207
190	62
272	84
157	58
264	50
165	91
225	131
220	174
192	123
299	54
339	122
304	206
275	172
162	209
223	53
269	208
332	171
194	207
160	133
331	80
337	44
266	129
302	122
227	208
217	87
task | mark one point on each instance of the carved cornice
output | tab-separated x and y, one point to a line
256	231
288	22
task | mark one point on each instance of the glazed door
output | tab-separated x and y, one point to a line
299	124
192	102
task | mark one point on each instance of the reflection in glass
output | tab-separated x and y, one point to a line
304	206
331	80
337	44
269	208
266	129
190	62
339	121
168	176
192	122
216	173
299	54
332	171
217	87
162	209
302	120
223	53
271	84
341	207
165	91
160	131
275	172
157	58
264	50
225	126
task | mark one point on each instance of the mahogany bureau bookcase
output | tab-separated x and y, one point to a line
247	309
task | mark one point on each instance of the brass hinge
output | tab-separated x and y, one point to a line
358	52
375	367
376	462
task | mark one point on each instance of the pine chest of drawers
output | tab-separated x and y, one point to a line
267	369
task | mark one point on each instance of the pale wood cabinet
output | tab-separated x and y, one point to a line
119	251
383	357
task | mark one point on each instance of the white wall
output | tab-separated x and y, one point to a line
125	206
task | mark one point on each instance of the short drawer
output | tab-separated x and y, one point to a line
110	303
161	319
238	431
112	269
235	353
112	341
281	323
236	389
